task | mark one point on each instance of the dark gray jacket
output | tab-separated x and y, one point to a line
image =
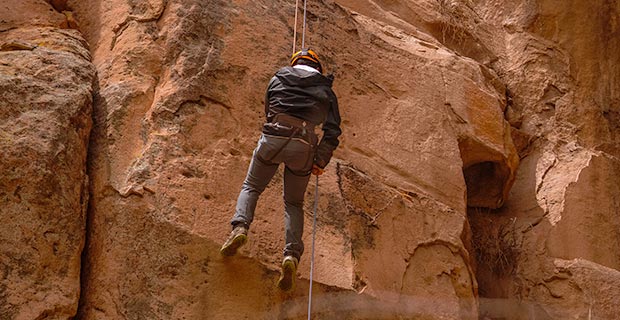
308	96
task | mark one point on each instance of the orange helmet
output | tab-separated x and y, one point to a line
307	54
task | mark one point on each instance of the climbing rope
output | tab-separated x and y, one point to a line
316	188
316	206
303	30
295	26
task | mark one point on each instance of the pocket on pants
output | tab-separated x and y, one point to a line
269	149
300	156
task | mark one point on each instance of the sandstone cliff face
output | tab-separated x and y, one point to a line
422	214
171	136
561	68
46	87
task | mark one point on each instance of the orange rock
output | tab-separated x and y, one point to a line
70	22
476	177
45	120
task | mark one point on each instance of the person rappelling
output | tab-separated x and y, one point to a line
298	99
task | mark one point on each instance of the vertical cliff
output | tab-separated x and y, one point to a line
46	87
561	221
477	176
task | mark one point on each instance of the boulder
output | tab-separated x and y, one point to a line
46	87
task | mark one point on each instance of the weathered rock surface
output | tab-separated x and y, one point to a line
423	213
560	63
179	111
46	85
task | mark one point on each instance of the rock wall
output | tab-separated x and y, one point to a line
178	113
422	212
560	225
46	87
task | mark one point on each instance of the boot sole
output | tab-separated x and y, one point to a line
231	249
287	278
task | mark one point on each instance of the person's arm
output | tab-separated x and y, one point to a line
271	84
331	132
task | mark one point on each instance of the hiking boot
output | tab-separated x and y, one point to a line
289	272
237	238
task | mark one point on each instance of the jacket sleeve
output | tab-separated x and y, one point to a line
267	94
331	132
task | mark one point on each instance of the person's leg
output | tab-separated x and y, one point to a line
298	159
294	191
259	174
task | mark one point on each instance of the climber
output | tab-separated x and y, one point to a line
298	99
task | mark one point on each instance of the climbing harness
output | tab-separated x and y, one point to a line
316	205
292	128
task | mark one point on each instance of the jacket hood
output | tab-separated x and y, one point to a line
299	77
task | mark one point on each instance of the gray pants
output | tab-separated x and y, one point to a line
298	157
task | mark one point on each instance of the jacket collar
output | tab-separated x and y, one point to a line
305	67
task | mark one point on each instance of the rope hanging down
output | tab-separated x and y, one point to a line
303	30
295	27
316	205
316	188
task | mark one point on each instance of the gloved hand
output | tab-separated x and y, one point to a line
316	170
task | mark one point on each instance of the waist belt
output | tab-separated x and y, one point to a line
291	120
285	125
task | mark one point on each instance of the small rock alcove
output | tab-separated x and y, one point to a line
485	184
489	173
489	176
